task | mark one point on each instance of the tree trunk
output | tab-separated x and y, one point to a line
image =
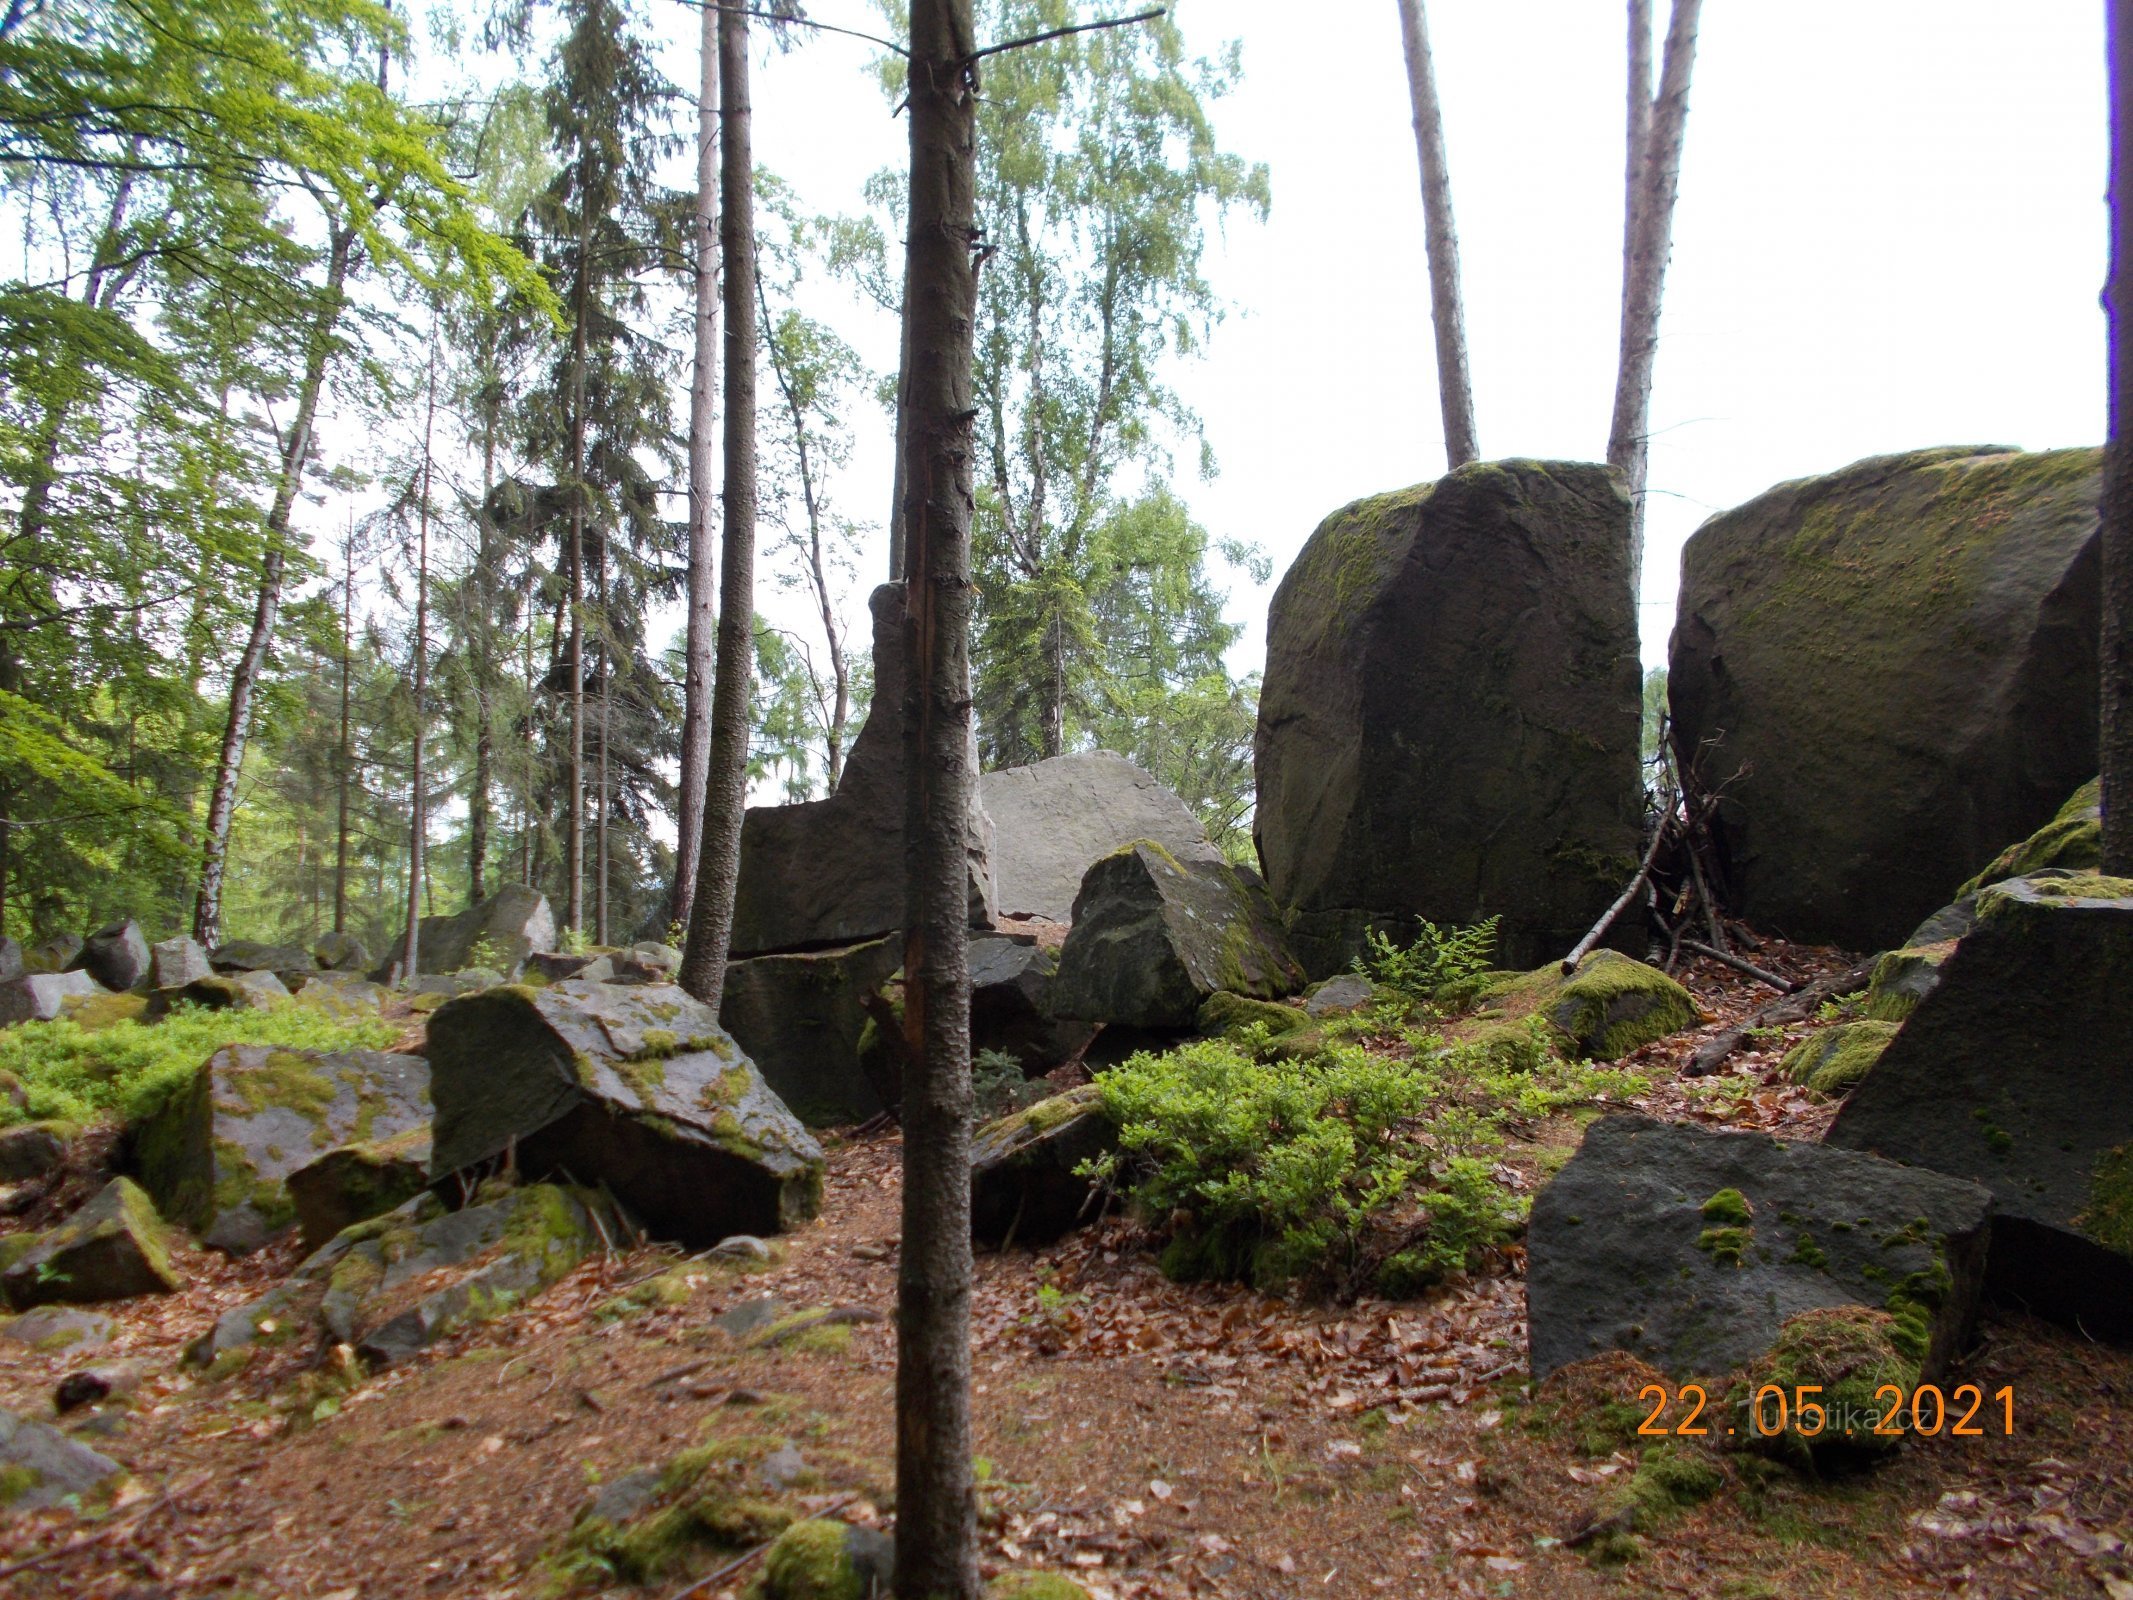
1455	391
244	677
605	668
344	763
703	546
574	844
1639	128
486	671
898	559
936	1498
418	821
1648	239
703	965
2117	742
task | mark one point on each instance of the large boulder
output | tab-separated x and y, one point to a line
496	933
116	956
1892	671
637	1088
1450	720
55	954
1154	936
2017	1072
113	1248
41	996
32	1150
352	1183
173	963
340	952
291	965
217	1153
1052	821
800	1016
1011	977
222	991
1690	1248
1025	1186
831	872
41	1467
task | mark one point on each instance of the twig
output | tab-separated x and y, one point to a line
1724	958
798	22
1599	929
738	1562
1795	1007
83	1542
1153	15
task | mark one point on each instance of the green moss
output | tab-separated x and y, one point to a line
2108	1217
2088	886
1728	1247
94	1013
545	1221
1225	1014
1609	1007
1901	978
1832	1060
149	1230
1728	1206
1807	1252
16	1481
283	1079
1035	1586
1045	1115
1849	1353
2073	840
808	1562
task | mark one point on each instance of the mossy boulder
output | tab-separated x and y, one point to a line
1897	663
2014	1073
54	1330
54	954
41	1467
799	1017
1155	935
1024	1186
635	1087
285	961
823	1560
1848	1353
343	996
354	1182
116	956
1225	1015
1690	1248
113	1248
1450	721
497	933
42	996
1902	978
222	991
32	1149
1832	1060
340	952
217	1153
1611	1005
173	963
2072	840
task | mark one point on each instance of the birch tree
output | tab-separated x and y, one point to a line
1455	392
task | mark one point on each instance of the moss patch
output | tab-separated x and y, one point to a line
1832	1061
2108	1218
1849	1353
1226	1014
2073	839
1609	1007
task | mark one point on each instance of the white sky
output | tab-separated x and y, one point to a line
1891	234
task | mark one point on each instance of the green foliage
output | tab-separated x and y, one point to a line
74	1075
1437	956
999	1087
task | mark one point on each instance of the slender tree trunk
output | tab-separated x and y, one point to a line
604	665
574	843
2117	742
1051	710
481	630
529	838
344	762
1455	390
936	1498
703	449
418	821
244	677
898	558
1639	127
1648	240
703	965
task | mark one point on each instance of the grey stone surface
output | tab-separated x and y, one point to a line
1450	721
11	962
55	954
116	956
341	952
54	1330
1023	1185
1054	820
173	963
285	961
47	1464
1901	661
1631	1247
113	1248
1011	979
42	996
30	1150
224	991
2016	1072
799	1017
352	1183
500	932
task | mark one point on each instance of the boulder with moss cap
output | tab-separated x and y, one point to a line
1690	1248
635	1087
352	1183
1154	936
1024	1182
222	991
42	996
800	1017
2014	1073
113	1248
823	1560
1831	1060
1611	1005
218	1150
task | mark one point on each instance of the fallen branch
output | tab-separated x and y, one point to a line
1644	871
121	1524
1795	1007
1727	959
738	1562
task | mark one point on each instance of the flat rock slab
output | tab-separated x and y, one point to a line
1054	820
637	1088
60	1330
40	1466
42	996
217	1155
2016	1072
1023	1185
800	1016
113	1248
285	961
247	990
1690	1248
1154	936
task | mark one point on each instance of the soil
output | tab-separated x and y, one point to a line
1148	1438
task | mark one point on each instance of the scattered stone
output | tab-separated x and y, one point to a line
831	873
1338	996
92	1386
2013	1073
751	1317
1024	1188
173	963
259	990
42	996
1690	1248
799	1017
1610	1006
116	956
1902	978
355	1182
639	1089
11	962
57	1330
31	1150
341	952
40	1466
286	962
1054	820
660	957
343	995
823	1560
1901	658
740	1247
113	1248
1155	936
1831	1061
1011	980
1449	726
55	954
218	1153
499	932
553	966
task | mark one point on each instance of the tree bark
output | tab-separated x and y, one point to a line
1455	390
1639	128
418	810
936	1525
898	559
244	676
574	844
703	964
703	544
2117	741
1648	232
344	763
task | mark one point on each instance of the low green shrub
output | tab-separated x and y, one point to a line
1438	956
74	1074
999	1088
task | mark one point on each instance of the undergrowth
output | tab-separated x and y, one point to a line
1438	956
76	1075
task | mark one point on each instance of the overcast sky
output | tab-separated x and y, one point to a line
1891	234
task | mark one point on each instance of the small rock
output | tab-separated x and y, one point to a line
113	1248
228	991
13	1092
53	1330
173	963
1350	991
739	1247
781	1469
55	954
42	996
623	1498
31	1150
341	952
116	956
822	1560
40	1466
93	1385
751	1317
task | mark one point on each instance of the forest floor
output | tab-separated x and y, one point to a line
1149	1438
